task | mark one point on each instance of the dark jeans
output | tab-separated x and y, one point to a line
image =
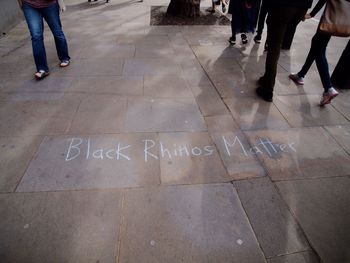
277	23
34	18
262	17
318	53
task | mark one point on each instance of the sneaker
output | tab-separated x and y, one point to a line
244	39
296	79
232	40
328	96
257	39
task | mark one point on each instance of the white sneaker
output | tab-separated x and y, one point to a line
328	96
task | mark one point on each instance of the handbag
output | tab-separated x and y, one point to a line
335	20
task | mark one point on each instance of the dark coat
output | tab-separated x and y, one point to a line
244	14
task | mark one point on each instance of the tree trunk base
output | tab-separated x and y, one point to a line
184	8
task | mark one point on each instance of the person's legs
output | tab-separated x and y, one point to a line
318	45
262	17
322	63
289	36
232	39
277	23
52	17
35	23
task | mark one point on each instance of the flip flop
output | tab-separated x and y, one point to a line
41	74
64	63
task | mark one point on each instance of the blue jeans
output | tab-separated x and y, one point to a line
318	53
34	18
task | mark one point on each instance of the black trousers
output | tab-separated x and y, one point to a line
278	21
341	74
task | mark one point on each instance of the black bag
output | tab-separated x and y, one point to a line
341	74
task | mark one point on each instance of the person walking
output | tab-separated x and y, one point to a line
35	11
318	53
261	21
341	75
243	20
282	14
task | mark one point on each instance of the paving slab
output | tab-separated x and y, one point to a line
93	67
188	223
215	52
114	85
235	85
99	114
190	158
274	226
24	89
151	66
60	227
255	64
253	114
221	123
342	135
285	86
107	50
94	162
16	154
154	51
300	153
302	257
222	65
36	118
322	209
236	154
162	115
163	86
196	77
341	103
304	111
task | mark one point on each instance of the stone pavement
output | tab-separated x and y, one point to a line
152	147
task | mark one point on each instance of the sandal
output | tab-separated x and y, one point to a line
64	63
41	74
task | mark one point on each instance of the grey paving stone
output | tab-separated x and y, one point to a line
163	86
300	153
274	226
24	89
235	85
99	114
341	135
93	67
189	224
215	52
341	103
36	118
237	156
285	86
222	65
157	115
196	77
302	257
107	50
60	227
255	64
252	114
221	124
81	162
142	38
152	66
115	85
190	158
322	209
16	154
154	51
304	111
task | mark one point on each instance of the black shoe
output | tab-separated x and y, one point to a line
261	82
257	39
266	47
263	95
232	40
244	39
